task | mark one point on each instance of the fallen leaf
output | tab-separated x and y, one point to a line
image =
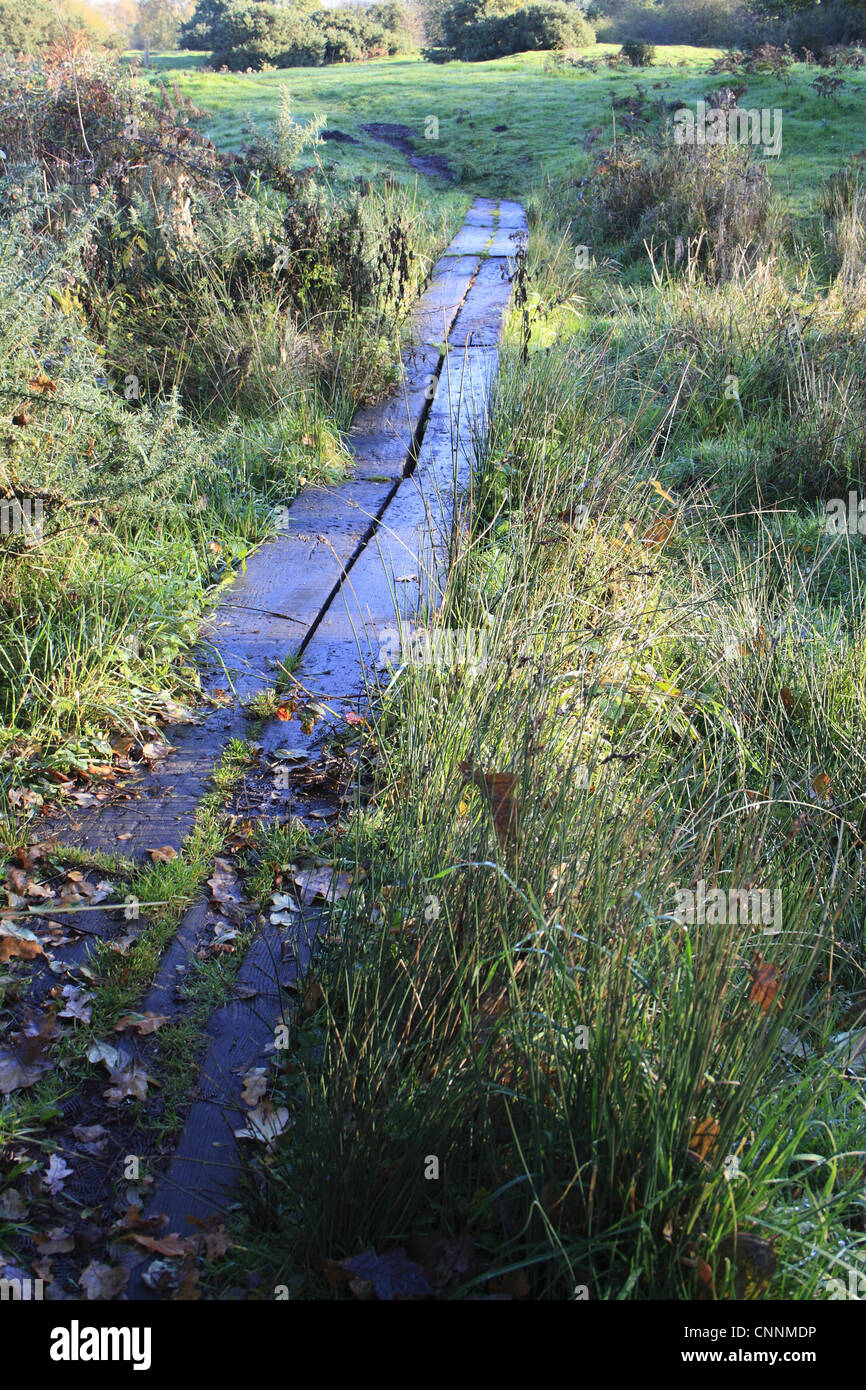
164	1278
291	755
37	1031
313	996
18	941
327	883
152	752
106	1052
189	1290
134	1221
142	1024
79	1004
132	1082
499	789
43	385
101	1281
58	1241
223	883
92	1139
13	1205
264	1124
55	1175
17	879
704	1137
705	1273
255	1086
443	1258
122	944
659	532
821	786
853	1045
792	1045
284	910
24	796
765	983
224	939
216	1243
166	1245
15	1075
163	855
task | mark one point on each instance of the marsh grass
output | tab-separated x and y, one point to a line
178	357
642	752
672	694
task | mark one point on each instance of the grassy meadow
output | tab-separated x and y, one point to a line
547	113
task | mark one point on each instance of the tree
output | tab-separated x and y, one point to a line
28	25
200	30
159	22
213	22
786	9
478	30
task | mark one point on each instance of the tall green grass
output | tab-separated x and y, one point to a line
673	687
177	359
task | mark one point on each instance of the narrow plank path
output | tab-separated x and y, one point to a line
349	562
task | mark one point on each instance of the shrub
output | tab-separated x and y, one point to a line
248	38
478	30
31	26
639	54
708	205
822	26
242	36
841	212
82	116
702	22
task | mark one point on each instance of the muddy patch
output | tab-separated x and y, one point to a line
402	138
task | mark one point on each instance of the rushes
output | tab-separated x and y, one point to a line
512	991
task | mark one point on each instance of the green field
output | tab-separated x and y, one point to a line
547	114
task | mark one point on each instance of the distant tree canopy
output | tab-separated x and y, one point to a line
784	9
159	22
477	30
814	24
26	26
249	33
